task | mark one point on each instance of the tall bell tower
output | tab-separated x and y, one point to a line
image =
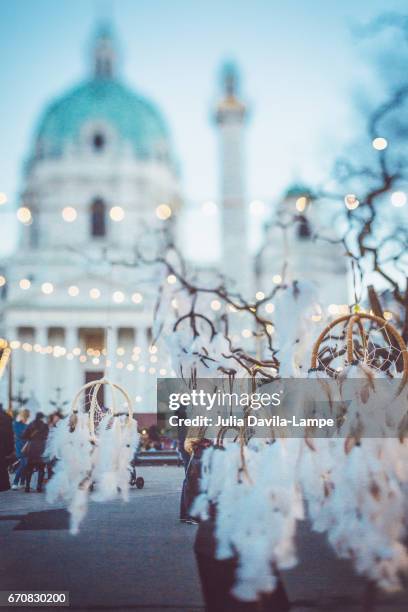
230	117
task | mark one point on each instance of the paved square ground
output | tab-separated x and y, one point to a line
137	556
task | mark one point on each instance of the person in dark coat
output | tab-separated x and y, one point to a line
36	437
19	427
6	448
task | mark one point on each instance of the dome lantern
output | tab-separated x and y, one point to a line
104	54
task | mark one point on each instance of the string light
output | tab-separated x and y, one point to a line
215	305
3	199
333	309
120	351
301	203
246	333
69	214
259	295
171	279
269	307
153	349
73	291
117	213
47	288
118	297
351	201
380	143
24	215
2	281
163	212
277	279
94	293
137	298
398	199
24	284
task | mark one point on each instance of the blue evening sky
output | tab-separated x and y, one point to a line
301	67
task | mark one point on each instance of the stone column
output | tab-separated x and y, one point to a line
42	386
72	380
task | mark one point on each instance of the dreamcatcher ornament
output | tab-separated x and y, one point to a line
93	451
356	486
353	488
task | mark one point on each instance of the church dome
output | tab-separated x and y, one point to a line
103	99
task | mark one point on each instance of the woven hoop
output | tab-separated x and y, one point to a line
95	385
355	319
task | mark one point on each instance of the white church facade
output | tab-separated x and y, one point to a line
101	169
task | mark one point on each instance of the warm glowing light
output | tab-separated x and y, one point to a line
73	291
333	309
27	347
163	372
277	279
351	201
69	214
232	308
269	307
301	203
316	318
117	213
82	359
174	303
130	367
257	207
137	349
152	370
76	351
95	360
37	348
137	298
153	359
120	351
24	215
163	212
94	293
215	305
138	398
246	333
120	365
380	143
47	288
209	208
171	279
259	295
387	315
15	344
153	349
398	199
25	284
2	281
118	297
3	199
270	329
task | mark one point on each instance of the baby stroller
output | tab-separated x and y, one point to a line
135	481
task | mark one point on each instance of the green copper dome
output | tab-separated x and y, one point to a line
103	100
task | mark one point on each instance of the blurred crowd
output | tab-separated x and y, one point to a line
23	440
